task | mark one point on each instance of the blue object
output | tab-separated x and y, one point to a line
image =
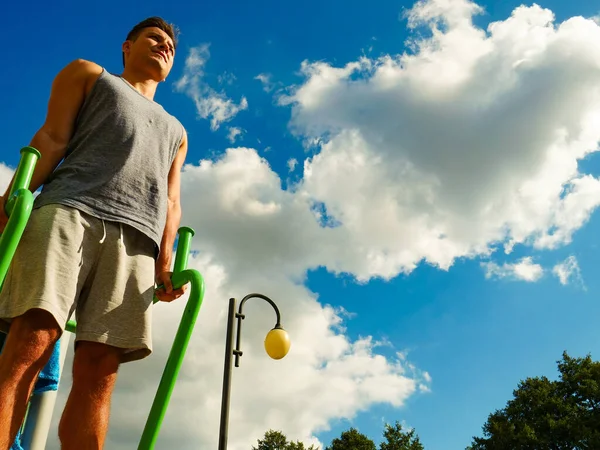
50	375
47	381
17	444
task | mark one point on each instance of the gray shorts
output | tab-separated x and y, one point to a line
68	261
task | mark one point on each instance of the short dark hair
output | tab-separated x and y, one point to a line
157	22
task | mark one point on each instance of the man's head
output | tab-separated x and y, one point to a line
150	46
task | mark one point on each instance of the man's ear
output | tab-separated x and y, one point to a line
126	47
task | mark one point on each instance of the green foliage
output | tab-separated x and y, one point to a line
276	440
562	414
352	440
396	439
299	446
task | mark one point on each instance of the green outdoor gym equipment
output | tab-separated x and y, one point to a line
19	205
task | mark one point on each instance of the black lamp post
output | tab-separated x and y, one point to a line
277	344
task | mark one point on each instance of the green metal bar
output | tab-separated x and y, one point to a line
23	174
9	240
25	418
18	208
183	249
182	338
71	326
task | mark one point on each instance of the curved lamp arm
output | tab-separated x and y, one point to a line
240	316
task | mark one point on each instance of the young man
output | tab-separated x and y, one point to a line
100	235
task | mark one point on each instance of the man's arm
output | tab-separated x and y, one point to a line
163	264
69	90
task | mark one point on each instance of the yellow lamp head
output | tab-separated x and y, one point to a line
277	343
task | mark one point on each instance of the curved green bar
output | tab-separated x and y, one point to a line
9	240
23	174
182	338
183	249
18	207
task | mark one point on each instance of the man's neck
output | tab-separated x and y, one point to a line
141	83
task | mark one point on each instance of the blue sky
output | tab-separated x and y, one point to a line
475	336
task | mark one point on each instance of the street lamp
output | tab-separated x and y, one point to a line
277	345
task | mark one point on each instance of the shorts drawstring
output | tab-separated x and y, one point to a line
104	235
120	236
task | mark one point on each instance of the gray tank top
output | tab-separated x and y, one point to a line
117	162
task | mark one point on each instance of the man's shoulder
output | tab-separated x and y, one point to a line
83	70
83	66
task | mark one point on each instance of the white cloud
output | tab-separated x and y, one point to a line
524	270
596	19
568	271
265	79
6	174
209	103
226	78
234	133
470	142
292	162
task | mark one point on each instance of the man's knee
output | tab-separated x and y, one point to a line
96	364
31	339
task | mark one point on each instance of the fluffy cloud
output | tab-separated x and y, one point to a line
568	271
6	174
265	79
233	133
469	142
525	270
292	162
209	103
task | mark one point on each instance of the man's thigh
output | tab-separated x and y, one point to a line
50	266
117	309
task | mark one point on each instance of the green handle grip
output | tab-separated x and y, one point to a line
29	158
183	249
183	252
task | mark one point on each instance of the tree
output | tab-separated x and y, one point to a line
352	440
276	440
299	446
562	414
396	439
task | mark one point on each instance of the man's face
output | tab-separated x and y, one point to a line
153	51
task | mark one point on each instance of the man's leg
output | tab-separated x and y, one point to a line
28	348
84	422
